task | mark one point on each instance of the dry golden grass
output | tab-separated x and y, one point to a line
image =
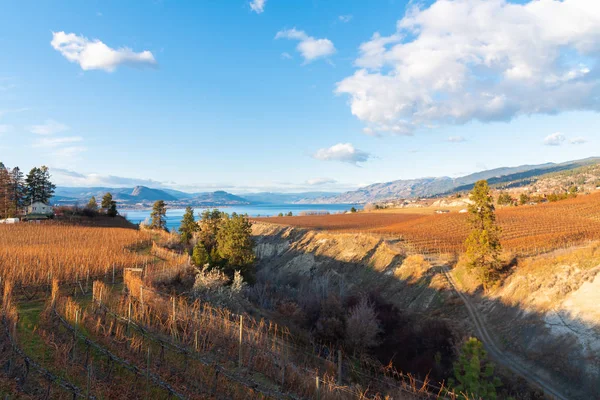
525	229
36	253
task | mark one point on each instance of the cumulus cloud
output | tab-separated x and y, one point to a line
320	181
258	6
463	60
345	18
93	54
456	139
555	139
50	127
309	47
344	152
578	140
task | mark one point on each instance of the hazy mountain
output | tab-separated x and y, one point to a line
142	195
428	187
285	198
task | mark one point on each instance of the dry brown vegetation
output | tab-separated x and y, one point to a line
37	253
525	229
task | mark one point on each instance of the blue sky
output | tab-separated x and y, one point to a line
294	95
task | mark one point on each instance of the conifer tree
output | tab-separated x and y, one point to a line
4	192
92	204
483	244
158	215
112	209
188	225
17	190
106	202
200	256
235	245
38	186
473	375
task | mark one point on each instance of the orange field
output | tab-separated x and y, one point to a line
36	253
525	229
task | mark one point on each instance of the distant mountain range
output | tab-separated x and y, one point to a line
142	196
430	187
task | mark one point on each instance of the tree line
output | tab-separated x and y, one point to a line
18	191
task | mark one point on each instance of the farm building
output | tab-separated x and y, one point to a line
39	208
9	221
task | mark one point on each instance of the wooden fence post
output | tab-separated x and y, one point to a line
317	382
113	277
241	339
339	367
148	374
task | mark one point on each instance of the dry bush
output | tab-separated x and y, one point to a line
362	327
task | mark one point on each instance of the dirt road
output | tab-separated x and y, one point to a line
508	360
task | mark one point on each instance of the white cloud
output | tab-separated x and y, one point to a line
5	128
53	142
345	18
93	54
320	181
286	56
344	152
555	139
578	140
464	60
456	139
309	47
258	6
49	127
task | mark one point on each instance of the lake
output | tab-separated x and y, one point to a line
264	210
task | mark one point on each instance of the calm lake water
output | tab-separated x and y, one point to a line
174	215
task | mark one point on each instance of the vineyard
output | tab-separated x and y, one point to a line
88	322
525	229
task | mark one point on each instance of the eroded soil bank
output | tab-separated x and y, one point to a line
546	311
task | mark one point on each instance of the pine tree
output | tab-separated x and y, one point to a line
473	375
158	215
188	225
92	204
200	256
483	244
209	227
17	190
38	186
235	245
112	209
4	192
106	202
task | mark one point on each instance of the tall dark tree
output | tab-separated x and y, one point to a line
106	202
17	190
483	244
5	203
209	227
112	209
158	215
188	225
38	186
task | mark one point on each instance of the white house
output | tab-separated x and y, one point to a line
9	221
39	208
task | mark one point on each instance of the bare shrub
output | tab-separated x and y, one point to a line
210	280
362	327
330	325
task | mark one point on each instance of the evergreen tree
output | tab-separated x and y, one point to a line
112	209
483	244
38	186
17	190
158	215
235	245
4	192
106	202
188	225
200	256
473	375
209	227
92	204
